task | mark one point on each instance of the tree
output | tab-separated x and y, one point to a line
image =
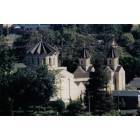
22	40
34	87
57	105
7	59
74	108
27	88
127	39
131	66
71	64
5	30
136	31
96	98
127	27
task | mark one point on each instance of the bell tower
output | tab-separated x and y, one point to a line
84	59
113	57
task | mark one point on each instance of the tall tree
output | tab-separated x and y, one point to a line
96	98
26	88
7	59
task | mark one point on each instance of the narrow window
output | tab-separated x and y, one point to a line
110	61
50	62
115	83
54	61
44	61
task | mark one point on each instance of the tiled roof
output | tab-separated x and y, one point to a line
126	93
118	68
80	73
135	82
42	48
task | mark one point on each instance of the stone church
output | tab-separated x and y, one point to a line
115	72
71	86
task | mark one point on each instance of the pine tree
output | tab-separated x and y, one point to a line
97	100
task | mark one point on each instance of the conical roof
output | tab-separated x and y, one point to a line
113	52
85	53
42	48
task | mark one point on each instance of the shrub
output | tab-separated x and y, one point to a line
58	105
127	39
74	108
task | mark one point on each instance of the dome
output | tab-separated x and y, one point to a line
42	48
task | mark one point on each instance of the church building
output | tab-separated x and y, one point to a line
81	74
115	72
42	54
69	86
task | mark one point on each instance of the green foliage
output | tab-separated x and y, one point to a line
7	59
136	32
96	97
23	40
57	105
71	64
27	87
37	89
127	39
74	108
5	31
131	66
112	113
127	27
98	78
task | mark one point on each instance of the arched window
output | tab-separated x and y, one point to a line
50	61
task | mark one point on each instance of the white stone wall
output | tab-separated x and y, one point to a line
120	79
67	88
116	80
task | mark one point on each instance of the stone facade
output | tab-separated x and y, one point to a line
71	86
